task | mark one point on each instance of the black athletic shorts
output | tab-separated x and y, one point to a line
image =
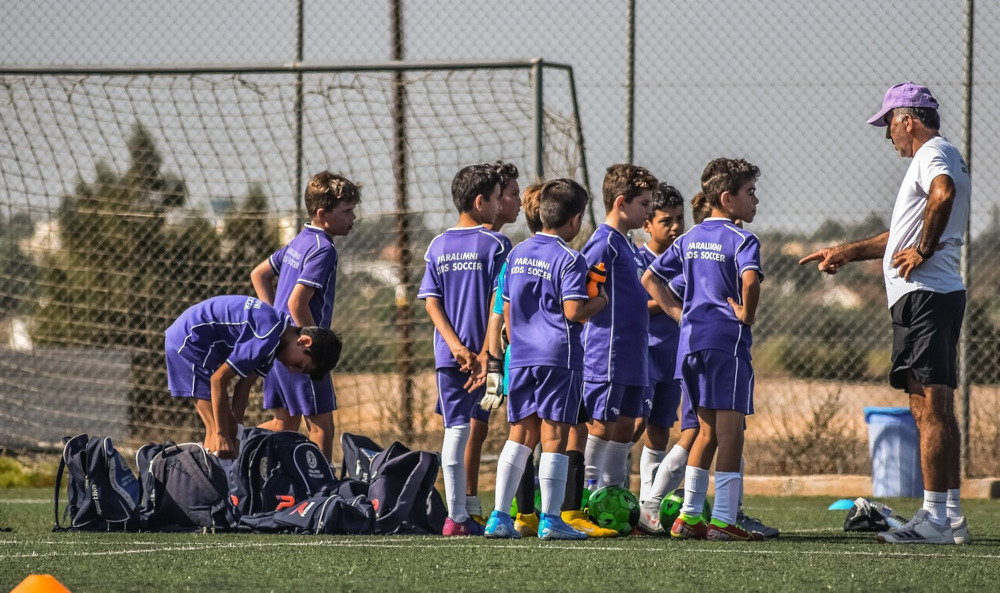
925	329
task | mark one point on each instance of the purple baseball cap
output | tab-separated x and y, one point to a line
904	94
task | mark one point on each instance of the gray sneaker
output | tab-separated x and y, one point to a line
919	530
649	519
754	525
960	530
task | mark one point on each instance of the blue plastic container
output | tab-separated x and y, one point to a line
894	445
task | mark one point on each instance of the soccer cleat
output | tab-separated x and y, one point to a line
919	530
754	525
479	519
467	527
501	526
730	532
553	527
578	520
687	527
649	519
960	530
526	524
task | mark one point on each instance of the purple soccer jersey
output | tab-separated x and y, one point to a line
462	269
240	331
664	334
615	340
309	259
542	273
712	257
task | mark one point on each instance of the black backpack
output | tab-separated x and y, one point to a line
277	470
359	451
345	512
184	489
403	493
102	492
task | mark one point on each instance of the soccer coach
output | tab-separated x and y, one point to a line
920	262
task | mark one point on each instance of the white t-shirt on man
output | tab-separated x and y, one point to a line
941	272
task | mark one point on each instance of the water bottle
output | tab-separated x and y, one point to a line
895	521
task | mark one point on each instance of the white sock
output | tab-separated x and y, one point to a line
510	466
695	490
552	472
670	474
954	504
453	468
593	459
472	505
727	492
649	462
936	503
613	471
742	474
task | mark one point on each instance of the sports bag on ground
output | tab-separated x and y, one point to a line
184	489
320	515
277	470
358	453
102	492
403	493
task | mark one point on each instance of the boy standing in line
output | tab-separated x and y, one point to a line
546	303
616	339
306	270
461	274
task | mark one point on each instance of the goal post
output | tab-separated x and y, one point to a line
129	193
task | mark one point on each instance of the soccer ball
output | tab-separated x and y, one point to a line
670	508
614	507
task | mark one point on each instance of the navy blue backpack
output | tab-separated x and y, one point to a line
345	512
102	492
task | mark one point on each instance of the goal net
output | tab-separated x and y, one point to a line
127	196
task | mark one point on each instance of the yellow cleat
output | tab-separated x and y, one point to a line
526	524
578	520
479	519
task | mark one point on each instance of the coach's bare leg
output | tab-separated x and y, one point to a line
282	421
930	405
478	431
204	408
320	428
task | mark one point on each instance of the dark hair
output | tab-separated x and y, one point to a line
529	205
324	350
472	181
725	175
626	180
927	115
506	171
559	201
325	190
700	208
665	196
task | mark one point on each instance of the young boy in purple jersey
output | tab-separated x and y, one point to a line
663	394
508	206
460	277
225	337
546	303
306	270
615	340
720	264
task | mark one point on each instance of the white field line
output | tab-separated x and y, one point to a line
26	501
756	549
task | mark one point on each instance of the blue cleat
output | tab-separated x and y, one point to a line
553	527
501	526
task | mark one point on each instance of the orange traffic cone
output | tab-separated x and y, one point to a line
40	583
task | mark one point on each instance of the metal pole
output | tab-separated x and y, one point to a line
583	150
963	346
630	82
404	361
299	96
538	118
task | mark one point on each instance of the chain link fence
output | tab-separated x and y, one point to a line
124	197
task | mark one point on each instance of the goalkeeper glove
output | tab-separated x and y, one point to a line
595	278
494	384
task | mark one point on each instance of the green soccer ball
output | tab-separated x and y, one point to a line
614	507
670	508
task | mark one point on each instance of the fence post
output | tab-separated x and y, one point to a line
964	386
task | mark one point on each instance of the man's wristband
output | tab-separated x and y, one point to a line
924	255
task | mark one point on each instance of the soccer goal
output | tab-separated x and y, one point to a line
127	194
